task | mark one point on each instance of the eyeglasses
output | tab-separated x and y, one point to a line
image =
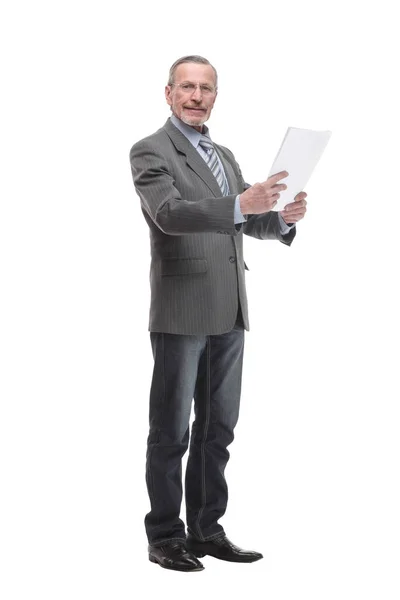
189	88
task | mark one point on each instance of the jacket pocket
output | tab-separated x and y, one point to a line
183	266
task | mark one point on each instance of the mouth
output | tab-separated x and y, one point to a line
194	109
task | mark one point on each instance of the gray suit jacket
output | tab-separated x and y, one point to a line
197	272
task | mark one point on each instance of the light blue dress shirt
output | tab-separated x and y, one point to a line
194	137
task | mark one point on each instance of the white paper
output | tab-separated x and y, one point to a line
299	153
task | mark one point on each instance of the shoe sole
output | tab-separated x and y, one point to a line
154	560
200	554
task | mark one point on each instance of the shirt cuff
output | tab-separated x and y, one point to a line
239	218
285	228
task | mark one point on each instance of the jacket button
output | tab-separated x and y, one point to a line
232	259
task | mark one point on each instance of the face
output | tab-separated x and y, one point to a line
193	107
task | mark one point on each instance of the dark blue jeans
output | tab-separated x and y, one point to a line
207	369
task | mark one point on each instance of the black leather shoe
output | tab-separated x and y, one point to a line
221	548
174	556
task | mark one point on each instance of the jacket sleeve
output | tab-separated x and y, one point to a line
162	201
264	226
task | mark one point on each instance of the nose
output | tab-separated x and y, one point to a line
197	94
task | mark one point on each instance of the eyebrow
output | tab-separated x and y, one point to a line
200	82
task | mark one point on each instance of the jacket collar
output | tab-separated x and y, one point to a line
196	162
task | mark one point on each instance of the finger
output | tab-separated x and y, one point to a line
275	189
276	195
292	218
300	196
277	177
296	205
292	212
295	211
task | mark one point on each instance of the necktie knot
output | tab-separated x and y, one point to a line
206	143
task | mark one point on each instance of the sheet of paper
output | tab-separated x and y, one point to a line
299	153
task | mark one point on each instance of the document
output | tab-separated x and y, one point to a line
299	153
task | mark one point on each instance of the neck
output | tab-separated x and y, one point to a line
199	128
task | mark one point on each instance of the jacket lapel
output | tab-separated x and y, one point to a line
193	158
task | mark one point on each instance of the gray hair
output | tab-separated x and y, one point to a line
190	59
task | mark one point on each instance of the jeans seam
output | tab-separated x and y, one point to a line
202	448
151	480
164	390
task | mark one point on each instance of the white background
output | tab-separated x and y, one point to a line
314	470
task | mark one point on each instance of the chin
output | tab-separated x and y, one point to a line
193	122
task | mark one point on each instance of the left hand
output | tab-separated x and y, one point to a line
296	210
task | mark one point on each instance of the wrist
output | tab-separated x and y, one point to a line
283	219
243	205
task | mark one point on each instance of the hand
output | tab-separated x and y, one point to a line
296	210
262	197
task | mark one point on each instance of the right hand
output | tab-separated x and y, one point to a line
262	197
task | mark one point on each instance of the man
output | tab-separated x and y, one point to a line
197	207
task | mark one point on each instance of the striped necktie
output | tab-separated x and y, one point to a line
212	161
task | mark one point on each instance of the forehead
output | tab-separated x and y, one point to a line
194	72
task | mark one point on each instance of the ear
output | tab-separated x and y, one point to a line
168	92
215	97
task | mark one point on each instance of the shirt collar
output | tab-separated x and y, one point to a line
189	132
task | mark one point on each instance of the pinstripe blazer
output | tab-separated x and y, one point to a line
197	270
